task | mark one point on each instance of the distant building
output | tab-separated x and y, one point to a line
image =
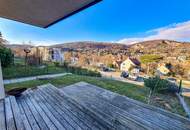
40	52
74	60
44	53
171	58
188	75
100	65
162	69
130	64
57	55
182	58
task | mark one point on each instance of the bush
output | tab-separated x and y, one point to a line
111	66
64	65
82	71
57	64
6	56
157	84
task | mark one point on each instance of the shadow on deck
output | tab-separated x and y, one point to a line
82	106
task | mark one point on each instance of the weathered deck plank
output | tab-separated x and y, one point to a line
138	117
24	118
144	111
100	99
56	114
111	115
28	113
2	116
10	123
63	104
92	123
48	111
17	115
103	123
35	113
67	116
42	113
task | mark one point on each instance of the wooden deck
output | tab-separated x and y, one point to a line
41	109
82	106
121	112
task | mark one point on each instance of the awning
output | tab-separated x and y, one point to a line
42	13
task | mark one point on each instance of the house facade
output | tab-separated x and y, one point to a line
162	69
57	55
130	64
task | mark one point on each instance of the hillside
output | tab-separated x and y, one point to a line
161	47
91	46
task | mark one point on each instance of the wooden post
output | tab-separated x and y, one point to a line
180	87
2	90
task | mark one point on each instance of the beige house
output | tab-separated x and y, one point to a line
130	64
42	52
162	69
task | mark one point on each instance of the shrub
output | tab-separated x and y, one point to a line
64	65
111	66
57	64
6	56
157	84
82	71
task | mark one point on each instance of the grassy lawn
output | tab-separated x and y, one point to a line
187	100
22	71
165	101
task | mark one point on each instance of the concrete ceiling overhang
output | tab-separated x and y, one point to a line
42	13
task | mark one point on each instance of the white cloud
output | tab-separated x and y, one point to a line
179	32
34	43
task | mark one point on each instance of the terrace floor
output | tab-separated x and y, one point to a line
82	106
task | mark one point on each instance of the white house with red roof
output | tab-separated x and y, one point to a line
130	64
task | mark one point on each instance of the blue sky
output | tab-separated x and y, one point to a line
124	21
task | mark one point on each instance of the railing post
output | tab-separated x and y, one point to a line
2	90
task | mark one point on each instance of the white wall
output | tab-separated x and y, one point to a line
2	90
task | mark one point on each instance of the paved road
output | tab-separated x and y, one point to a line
116	76
18	80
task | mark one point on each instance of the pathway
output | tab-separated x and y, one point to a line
18	80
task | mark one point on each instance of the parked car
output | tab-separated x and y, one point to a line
172	80
124	74
133	77
105	69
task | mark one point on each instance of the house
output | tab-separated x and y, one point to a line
130	64
182	58
57	55
41	51
188	74
162	69
74	60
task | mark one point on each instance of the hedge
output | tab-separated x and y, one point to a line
6	56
